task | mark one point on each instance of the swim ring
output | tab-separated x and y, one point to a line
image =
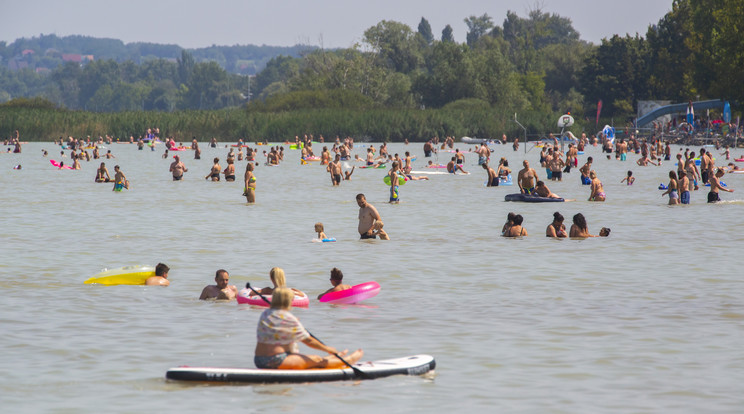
244	297
356	294
401	179
127	275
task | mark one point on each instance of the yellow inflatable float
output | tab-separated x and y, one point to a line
127	275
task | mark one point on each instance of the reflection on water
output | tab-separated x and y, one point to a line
648	319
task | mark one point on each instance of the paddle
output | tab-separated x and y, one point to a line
357	371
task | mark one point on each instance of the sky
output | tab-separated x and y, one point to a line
324	23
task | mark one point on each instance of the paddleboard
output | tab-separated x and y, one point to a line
411	365
127	275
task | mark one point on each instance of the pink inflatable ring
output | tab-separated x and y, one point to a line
244	296
356	294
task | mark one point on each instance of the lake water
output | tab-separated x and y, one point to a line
650	319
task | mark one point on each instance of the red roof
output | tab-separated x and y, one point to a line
72	58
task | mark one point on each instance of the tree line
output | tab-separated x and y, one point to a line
536	66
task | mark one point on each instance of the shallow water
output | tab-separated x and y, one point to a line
650	319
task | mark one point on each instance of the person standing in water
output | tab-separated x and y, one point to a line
527	178
177	168
368	215
250	184
715	186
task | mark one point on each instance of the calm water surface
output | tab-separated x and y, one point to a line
650	319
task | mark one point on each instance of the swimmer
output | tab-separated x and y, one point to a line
337	278
672	189
221	290
120	180
379	232
715	186
279	280
508	224
556	228
516	229
580	229
597	192
543	191
367	216
102	174
526	178
347	174
230	170
493	179
161	276
452	167
250	184
214	173
584	170
177	168
334	169
319	230
629	180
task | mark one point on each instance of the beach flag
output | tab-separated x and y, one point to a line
690	115
599	110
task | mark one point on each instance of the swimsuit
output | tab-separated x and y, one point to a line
685	197
482	160
367	236
673	195
394	193
118	187
713	197
337	178
269	362
230	178
530	190
585	180
215	175
177	178
623	156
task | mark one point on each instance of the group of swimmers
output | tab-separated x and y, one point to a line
579	229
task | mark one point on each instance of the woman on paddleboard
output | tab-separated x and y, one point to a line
279	331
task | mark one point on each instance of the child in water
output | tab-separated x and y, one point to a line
378	231
319	230
630	179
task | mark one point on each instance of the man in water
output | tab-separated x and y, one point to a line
584	170
483	154
337	280
527	178
120	180
367	216
177	168
334	169
715	185
220	291
493	179
161	276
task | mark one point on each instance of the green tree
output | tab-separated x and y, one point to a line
395	46
447	34
477	27
424	29
185	67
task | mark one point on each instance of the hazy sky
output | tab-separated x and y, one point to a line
339	23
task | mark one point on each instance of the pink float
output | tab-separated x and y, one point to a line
356	294
244	297
56	164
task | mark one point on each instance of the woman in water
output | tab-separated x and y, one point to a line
580	229
597	193
279	331
230	169
516	229
250	184
214	173
672	189
279	280
556	228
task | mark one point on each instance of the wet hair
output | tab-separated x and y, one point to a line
672	175
281	298
540	183
630	173
216	160
558	217
518	219
681	174
592	174
319	225
580	221
360	196
161	269
605	231
336	274
249	167
590	159
510	217
219	272
277	276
